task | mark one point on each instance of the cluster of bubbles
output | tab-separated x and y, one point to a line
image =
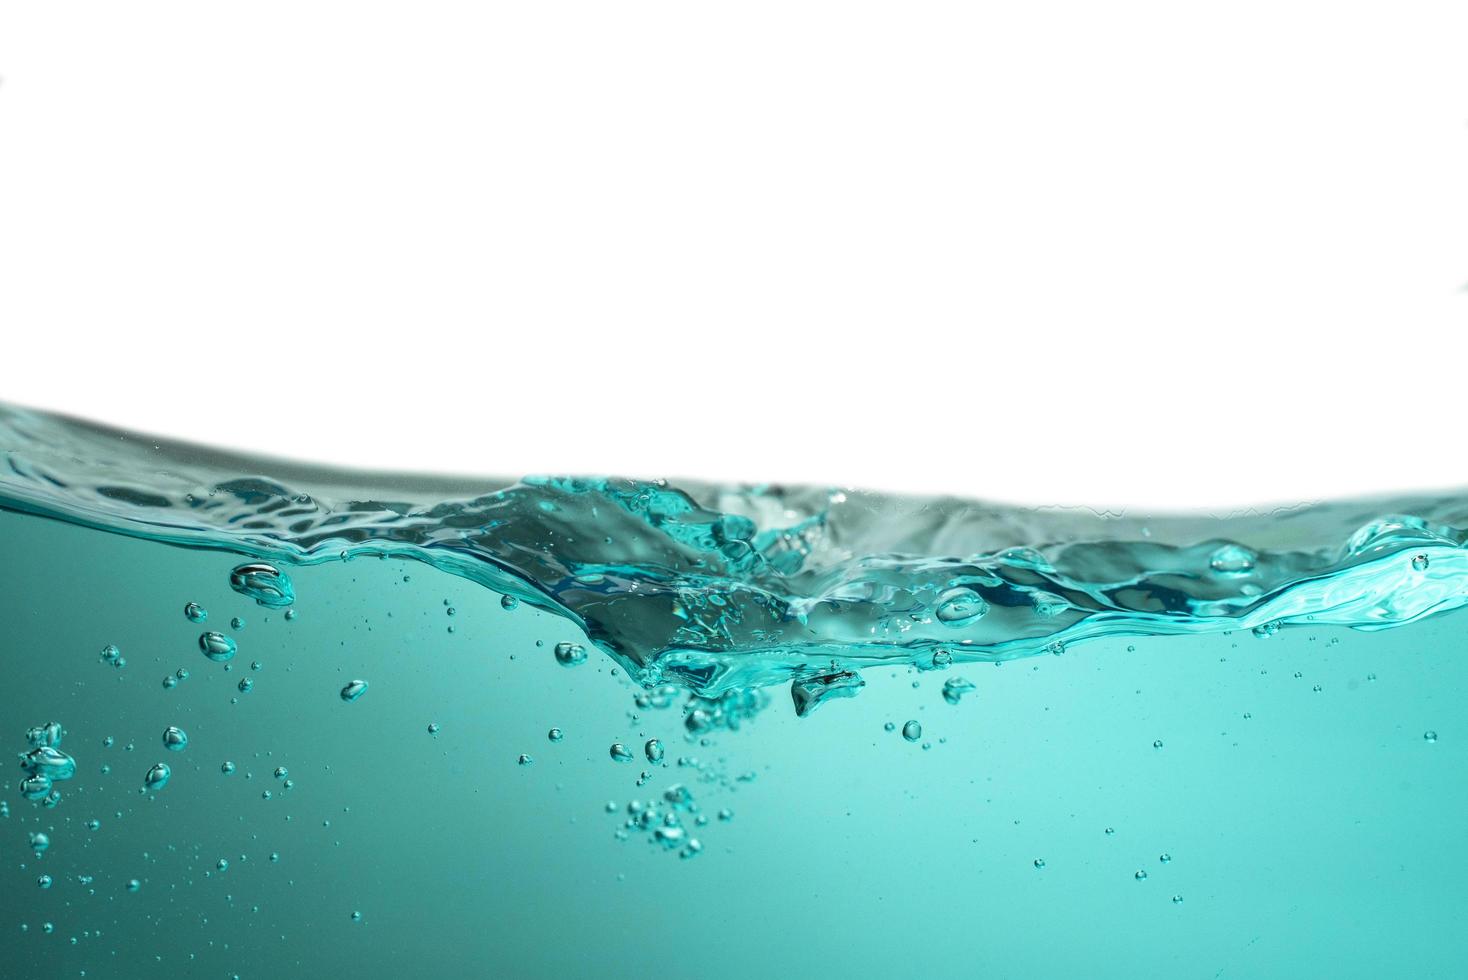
112	656
664	822
45	764
570	654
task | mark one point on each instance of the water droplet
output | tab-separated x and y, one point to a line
263	582
39	841
726	815
508	602
524	759
959	607
356	916
433	728
222	864
227	768
1110	831
354	690
1039	864
111	654
890	726
955	688
170	681
195	613
912	731
1420	563
1165	858
570	654
216	646
44	881
246	685
181	674
1140	875
653	750
237	623
620	752
1429	736
94	824
1177	900
174	739
555	734
157	777
134	885
1158	744
281	772
1232	559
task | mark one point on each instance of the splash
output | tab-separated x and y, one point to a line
722	589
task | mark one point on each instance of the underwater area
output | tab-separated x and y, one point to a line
275	720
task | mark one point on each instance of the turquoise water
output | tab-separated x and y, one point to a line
468	727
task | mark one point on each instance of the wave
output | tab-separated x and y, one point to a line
724	588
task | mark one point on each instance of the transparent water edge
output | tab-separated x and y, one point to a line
723	588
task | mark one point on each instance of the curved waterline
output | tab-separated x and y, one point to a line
720	587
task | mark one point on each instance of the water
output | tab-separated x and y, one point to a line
1257	714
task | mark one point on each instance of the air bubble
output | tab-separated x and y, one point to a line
1232	559
157	777
956	687
263	582
912	731
959	607
354	690
216	646
570	654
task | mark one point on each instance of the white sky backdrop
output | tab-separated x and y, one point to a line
1123	253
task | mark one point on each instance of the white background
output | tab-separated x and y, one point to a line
1156	254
